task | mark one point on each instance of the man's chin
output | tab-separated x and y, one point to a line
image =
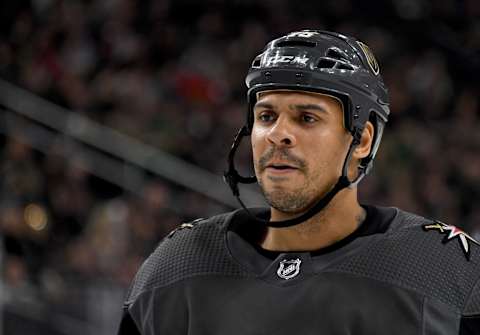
287	202
280	184
288	211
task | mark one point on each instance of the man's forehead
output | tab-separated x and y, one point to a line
302	96
283	92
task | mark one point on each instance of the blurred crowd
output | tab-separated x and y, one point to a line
171	74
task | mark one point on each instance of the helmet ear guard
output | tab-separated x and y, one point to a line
378	127
231	176
322	62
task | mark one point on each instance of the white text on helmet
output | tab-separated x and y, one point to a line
273	60
305	34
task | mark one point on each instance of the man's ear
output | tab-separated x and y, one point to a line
365	146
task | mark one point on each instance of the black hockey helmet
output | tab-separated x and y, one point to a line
323	62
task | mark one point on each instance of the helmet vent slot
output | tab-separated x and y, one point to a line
336	53
296	43
256	63
326	63
344	66
329	63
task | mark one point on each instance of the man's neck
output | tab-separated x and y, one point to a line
342	216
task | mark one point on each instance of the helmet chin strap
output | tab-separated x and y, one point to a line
232	178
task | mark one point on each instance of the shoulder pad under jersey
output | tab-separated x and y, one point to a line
413	255
193	249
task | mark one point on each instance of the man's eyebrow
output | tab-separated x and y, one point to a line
298	107
265	105
309	106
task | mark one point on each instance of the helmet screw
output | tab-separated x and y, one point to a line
356	115
268	74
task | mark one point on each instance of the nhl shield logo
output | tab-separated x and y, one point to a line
289	269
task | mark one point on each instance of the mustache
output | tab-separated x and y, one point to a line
282	154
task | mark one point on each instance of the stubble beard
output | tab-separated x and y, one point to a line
292	201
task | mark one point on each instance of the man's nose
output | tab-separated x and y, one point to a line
281	133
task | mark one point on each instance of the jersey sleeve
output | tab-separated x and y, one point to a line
472	307
470	322
127	325
470	325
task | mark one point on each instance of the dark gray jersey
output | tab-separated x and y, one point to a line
397	274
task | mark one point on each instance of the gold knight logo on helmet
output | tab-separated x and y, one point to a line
372	62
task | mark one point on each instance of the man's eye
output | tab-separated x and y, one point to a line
265	117
308	118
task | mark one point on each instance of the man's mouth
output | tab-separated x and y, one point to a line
281	167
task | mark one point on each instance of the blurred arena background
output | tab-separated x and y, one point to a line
116	117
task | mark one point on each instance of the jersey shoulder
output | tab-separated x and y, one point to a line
428	256
472	306
194	248
440	237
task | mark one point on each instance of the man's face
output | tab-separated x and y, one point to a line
299	144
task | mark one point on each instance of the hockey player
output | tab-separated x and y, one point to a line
316	261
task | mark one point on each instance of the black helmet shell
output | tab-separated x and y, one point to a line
329	63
